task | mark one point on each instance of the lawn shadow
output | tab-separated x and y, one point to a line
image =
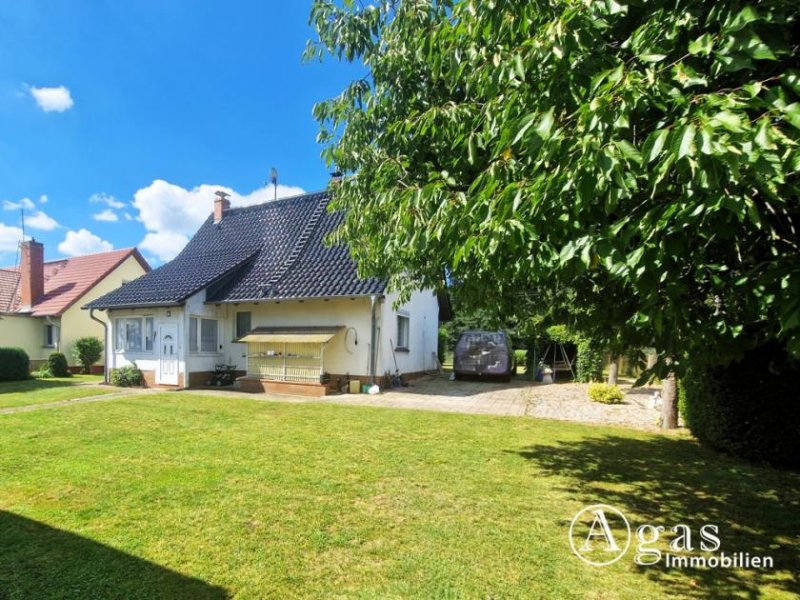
34	385
39	561
667	481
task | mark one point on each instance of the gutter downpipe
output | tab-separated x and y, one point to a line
105	343
373	351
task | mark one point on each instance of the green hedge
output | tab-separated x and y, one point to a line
57	365
14	364
127	376
750	408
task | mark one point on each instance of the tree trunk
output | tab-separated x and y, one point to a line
669	401
613	368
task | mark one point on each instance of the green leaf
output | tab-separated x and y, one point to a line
635	256
730	121
652	58
764	136
706	137
746	16
615	76
792	114
615	7
629	151
687	76
687	147
471	149
702	45
654	144
526	123
545	124
791	79
755	48
519	68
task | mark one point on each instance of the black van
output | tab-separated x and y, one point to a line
483	354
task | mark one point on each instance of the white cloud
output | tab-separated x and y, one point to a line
82	242
171	213
35	219
40	220
165	246
107	215
25	203
43	199
10	237
128	217
52	99
106	199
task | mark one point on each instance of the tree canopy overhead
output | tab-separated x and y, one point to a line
635	160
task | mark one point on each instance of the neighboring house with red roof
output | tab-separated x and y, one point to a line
40	302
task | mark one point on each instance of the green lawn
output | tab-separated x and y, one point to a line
52	389
173	495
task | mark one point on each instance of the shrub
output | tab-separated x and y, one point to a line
128	376
14	364
747	408
42	372
605	393
87	351
442	343
57	365
589	364
520	359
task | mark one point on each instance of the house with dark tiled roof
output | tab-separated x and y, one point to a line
40	301
258	293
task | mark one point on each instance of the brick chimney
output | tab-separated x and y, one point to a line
31	273
221	204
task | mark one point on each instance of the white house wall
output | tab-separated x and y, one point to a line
347	352
423	313
146	361
342	354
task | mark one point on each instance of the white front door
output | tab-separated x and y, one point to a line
168	355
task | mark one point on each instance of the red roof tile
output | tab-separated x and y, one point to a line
65	281
9	280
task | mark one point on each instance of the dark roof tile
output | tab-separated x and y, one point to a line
274	250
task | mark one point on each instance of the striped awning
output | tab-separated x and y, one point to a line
292	335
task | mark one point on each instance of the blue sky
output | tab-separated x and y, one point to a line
138	111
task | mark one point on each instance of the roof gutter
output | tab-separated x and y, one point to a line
105	344
132	306
294	298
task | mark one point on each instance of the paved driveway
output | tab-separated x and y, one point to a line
562	401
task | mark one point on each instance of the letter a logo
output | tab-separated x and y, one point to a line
592	535
600	522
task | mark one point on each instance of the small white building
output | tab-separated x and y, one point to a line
257	294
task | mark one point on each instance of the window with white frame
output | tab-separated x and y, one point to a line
203	335
403	329
50	336
134	334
